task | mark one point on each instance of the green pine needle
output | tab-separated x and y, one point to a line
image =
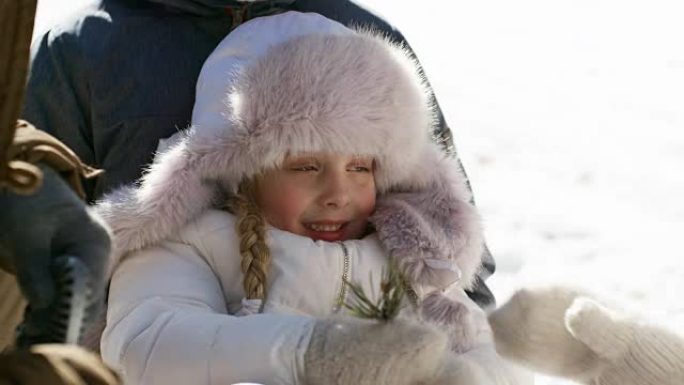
392	288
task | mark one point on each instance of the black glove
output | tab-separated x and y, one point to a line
53	222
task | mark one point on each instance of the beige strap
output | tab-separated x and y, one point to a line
32	146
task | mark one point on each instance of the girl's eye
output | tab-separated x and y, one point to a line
304	168
361	164
360	169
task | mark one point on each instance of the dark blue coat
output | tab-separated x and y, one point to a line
121	75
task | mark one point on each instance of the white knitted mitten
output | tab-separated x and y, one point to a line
362	352
563	332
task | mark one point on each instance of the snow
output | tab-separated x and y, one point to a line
569	119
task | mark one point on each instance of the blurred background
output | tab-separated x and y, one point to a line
569	119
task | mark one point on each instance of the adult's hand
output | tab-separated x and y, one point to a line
36	229
564	332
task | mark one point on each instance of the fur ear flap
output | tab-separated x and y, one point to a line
430	227
169	195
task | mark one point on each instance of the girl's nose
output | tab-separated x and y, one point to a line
335	193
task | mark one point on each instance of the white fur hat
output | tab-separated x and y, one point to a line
293	83
302	83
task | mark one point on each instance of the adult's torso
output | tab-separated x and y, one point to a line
139	61
142	68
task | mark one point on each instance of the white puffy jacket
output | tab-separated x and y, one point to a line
171	316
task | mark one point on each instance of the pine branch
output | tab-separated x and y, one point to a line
392	291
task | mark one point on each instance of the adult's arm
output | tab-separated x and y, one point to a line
57	98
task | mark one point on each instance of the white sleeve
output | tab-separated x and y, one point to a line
167	324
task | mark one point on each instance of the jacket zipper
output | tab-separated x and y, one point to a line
342	296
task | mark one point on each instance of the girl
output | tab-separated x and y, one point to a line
309	162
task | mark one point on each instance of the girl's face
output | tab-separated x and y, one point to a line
323	196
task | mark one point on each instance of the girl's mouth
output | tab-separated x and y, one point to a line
326	231
324	227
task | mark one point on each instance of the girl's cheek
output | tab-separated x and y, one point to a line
368	192
365	201
289	201
278	199
370	207
364	187
283	212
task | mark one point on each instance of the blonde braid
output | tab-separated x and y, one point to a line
256	257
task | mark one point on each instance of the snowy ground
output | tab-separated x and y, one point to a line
569	118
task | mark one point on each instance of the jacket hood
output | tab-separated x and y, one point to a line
299	82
